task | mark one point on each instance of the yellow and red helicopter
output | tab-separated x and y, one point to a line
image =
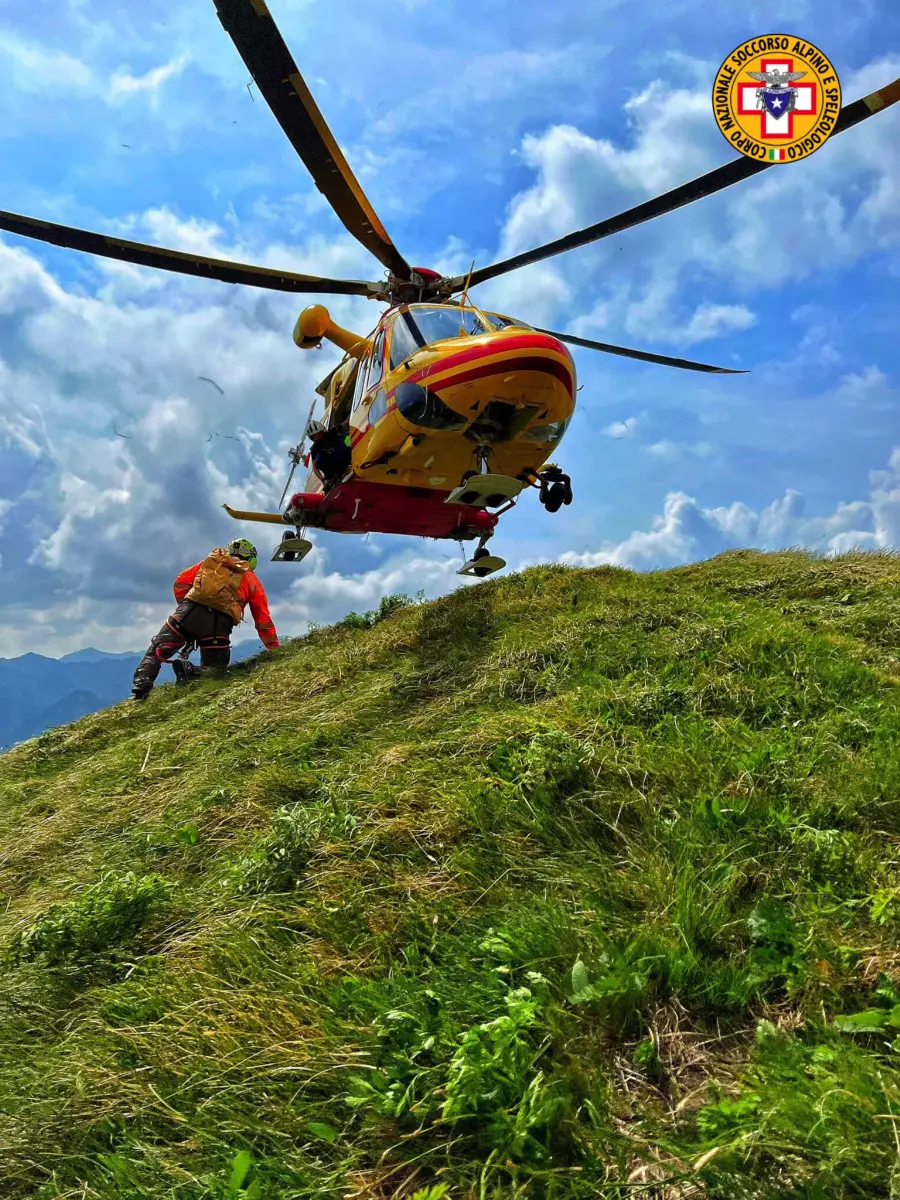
449	411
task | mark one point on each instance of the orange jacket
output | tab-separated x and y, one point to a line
250	592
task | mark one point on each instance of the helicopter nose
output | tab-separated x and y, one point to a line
513	351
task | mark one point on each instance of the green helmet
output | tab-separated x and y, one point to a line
241	548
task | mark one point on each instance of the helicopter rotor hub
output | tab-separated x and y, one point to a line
423	284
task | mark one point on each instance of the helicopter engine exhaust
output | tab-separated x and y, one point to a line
315	323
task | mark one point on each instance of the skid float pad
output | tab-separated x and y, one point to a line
292	549
486	491
484	566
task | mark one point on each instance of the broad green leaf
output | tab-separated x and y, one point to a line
240	1167
873	1020
321	1129
580	977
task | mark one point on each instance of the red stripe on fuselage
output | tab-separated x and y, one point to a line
548	365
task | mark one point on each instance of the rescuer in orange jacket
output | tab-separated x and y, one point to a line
211	597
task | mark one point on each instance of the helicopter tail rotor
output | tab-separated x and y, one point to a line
296	453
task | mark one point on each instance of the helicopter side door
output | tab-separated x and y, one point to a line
358	415
376	432
376	397
365	411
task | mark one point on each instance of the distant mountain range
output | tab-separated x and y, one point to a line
37	693
92	655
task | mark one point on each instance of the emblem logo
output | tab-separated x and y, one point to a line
776	98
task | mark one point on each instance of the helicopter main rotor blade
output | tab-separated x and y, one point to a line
685	363
251	27
697	189
179	261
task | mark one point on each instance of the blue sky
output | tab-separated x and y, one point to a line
476	132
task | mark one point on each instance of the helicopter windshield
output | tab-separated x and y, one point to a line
505	322
420	325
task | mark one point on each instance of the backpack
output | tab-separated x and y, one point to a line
217	584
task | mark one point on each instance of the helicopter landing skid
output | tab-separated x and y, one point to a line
486	565
291	549
486	491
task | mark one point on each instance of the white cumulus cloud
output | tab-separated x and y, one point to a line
712	320
622	429
675	450
31	67
123	83
685	531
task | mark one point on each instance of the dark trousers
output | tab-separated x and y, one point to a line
190	622
331	458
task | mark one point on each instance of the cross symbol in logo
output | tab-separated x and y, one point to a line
776	127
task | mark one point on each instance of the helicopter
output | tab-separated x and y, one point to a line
451	412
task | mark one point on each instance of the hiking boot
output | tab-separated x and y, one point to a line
184	671
140	693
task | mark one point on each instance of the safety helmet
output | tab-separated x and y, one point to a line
314	428
241	548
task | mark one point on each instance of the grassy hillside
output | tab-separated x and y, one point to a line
572	884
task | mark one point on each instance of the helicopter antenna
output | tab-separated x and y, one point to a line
465	299
465	295
296	453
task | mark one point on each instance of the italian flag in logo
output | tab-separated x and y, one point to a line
776	155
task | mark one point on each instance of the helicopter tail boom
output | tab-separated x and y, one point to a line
265	518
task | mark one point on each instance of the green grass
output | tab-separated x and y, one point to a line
574	884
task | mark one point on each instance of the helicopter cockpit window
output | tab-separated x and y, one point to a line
376	370
506	322
360	382
420	325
